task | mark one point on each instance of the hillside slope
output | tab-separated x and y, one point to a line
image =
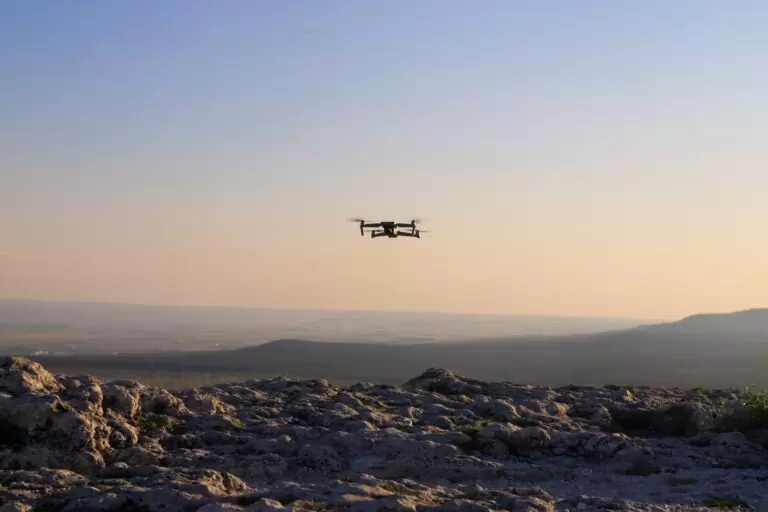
643	356
750	322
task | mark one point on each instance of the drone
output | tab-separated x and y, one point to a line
389	228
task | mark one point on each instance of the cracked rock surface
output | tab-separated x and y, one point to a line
440	442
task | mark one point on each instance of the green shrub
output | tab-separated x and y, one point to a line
150	421
726	503
237	423
753	415
473	429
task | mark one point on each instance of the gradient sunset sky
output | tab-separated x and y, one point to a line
577	158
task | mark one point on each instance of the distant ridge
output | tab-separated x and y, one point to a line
714	350
753	320
754	314
728	350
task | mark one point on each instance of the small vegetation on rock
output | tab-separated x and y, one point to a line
152	421
473	428
726	503
751	416
398	489
237	423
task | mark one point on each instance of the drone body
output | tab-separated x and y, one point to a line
389	228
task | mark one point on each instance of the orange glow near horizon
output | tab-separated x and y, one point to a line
593	159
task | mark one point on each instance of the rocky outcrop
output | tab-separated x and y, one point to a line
442	442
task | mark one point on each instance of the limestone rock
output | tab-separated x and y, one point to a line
440	442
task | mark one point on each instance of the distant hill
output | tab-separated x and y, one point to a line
750	321
714	350
683	354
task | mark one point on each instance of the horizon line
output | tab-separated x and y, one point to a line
342	310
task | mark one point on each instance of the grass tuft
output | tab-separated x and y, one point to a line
473	429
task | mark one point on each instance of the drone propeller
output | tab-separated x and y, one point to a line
414	222
360	221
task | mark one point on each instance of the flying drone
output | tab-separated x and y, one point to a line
389	228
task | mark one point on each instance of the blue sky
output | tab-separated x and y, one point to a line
473	111
83	80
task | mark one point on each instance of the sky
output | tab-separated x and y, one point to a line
591	158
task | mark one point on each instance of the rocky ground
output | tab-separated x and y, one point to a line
441	442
